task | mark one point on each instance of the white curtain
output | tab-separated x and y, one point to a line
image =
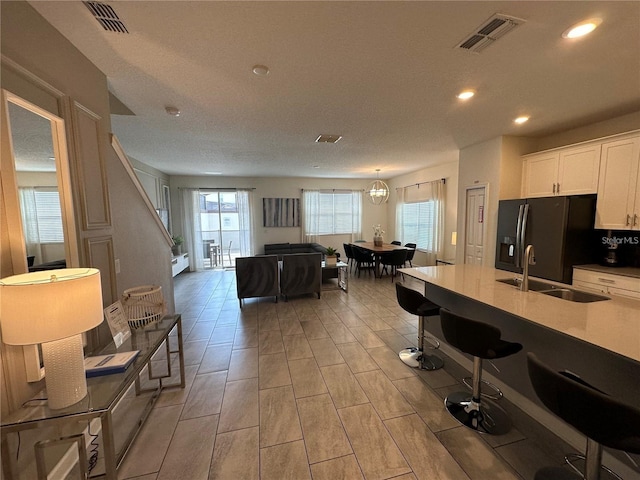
438	195
191	228
425	192
29	214
400	201
310	218
244	199
356	233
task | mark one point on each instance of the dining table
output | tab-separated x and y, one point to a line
378	251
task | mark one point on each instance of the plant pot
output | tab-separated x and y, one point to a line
330	261
176	250
378	241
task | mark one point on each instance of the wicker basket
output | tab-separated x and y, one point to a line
143	305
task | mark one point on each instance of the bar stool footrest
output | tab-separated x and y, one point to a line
468	383
571	458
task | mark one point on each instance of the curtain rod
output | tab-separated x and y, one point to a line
345	190
227	189
443	180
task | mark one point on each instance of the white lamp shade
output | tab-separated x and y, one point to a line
50	305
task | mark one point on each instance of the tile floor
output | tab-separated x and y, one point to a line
313	389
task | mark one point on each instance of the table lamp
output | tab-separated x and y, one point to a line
53	307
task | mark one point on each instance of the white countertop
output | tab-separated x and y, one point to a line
611	324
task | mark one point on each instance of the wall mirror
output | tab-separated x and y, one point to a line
36	189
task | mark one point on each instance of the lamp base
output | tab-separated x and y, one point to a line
64	371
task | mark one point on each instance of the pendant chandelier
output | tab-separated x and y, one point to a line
378	191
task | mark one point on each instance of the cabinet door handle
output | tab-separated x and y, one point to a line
558	189
554	188
628	219
635	219
606	280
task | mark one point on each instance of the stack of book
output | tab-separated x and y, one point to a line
108	364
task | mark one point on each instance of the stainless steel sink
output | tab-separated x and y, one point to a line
534	285
574	295
556	291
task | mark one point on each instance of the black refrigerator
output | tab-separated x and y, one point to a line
559	228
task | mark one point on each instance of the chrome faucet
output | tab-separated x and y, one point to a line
529	259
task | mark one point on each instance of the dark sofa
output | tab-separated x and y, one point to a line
281	249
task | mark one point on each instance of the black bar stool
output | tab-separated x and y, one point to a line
601	418
482	341
417	304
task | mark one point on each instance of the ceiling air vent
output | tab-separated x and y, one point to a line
487	33
325	138
107	17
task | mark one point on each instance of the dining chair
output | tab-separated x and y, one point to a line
364	260
229	253
393	259
348	251
410	253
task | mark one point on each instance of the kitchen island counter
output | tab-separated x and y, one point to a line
600	341
613	324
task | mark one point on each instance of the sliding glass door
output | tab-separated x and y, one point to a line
225	227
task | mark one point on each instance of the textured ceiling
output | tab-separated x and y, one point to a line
384	75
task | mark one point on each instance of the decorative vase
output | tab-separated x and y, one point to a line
330	261
176	250
377	241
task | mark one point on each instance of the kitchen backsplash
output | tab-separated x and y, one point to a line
627	250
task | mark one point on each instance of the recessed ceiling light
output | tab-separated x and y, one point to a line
173	111
316	166
521	120
213	173
583	28
260	70
466	94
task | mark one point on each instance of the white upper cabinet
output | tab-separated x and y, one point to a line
618	205
568	171
540	175
578	170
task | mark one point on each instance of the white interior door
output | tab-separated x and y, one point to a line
474	231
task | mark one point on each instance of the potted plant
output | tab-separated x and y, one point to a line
176	249
330	257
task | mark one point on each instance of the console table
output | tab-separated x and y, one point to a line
120	401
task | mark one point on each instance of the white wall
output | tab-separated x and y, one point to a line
621	124
448	171
266	187
480	165
496	164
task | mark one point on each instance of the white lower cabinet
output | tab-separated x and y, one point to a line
599	282
179	263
